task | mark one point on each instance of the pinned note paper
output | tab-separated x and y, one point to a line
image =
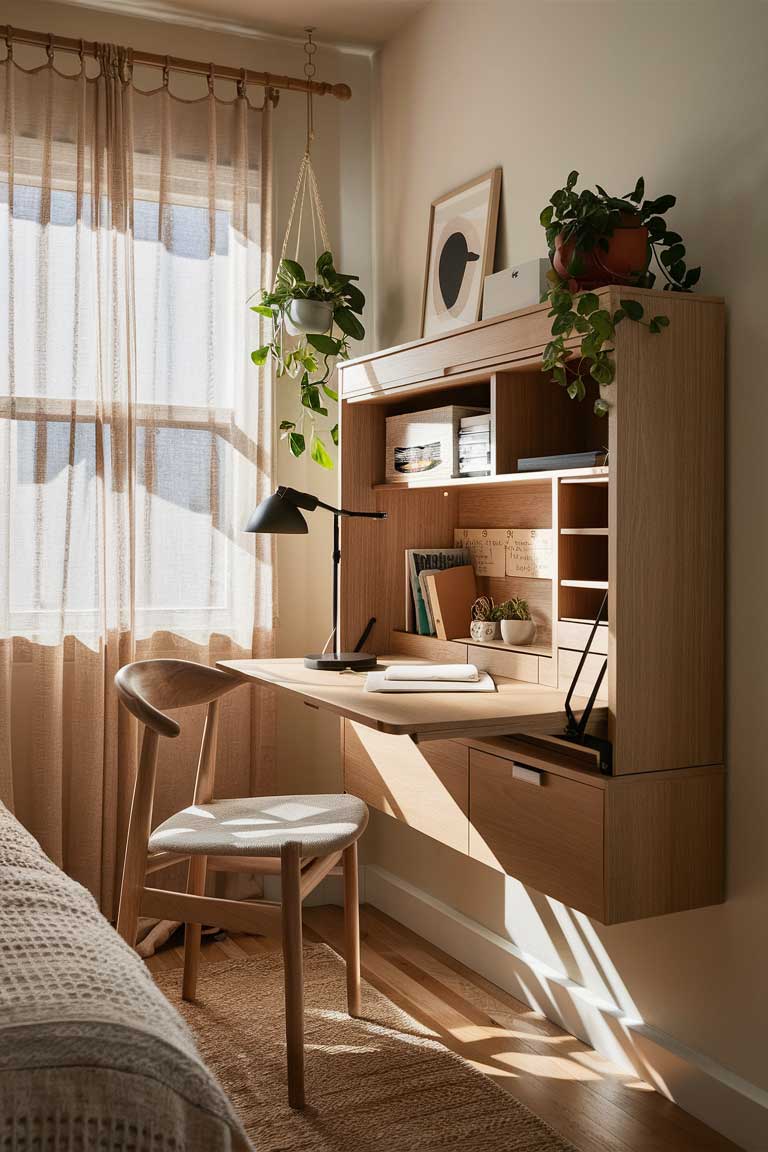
508	551
529	552
487	549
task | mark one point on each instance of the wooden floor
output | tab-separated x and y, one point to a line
588	1100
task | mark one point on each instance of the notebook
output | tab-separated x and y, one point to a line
451	596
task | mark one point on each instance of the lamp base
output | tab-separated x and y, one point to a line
339	662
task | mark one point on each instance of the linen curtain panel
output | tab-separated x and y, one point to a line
135	436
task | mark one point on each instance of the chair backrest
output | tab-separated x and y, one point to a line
149	688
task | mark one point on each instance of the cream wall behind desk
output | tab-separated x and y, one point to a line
307	746
678	92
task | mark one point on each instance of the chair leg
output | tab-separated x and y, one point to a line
294	972
193	932
139	827
352	930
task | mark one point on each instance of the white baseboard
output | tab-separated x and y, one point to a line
729	1104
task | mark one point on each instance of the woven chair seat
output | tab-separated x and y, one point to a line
262	825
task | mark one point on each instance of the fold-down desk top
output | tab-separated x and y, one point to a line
517	706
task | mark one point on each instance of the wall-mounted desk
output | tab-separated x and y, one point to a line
517	707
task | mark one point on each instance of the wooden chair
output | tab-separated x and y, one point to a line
300	838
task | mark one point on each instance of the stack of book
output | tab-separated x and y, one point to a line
475	445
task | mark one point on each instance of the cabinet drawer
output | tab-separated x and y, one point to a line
548	835
481	347
426	786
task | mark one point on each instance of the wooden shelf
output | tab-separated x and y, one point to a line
584	584
583	531
585	475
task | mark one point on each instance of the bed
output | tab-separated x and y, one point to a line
92	1056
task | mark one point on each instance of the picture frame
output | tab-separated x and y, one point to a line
460	249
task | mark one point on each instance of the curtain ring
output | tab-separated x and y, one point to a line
166	73
81	54
210	78
9	41
49	48
241	85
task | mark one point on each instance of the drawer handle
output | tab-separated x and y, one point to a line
528	775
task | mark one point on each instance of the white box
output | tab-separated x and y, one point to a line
425	443
514	288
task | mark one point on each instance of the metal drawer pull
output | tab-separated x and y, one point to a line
529	775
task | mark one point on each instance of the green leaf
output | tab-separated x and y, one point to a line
294	269
349	323
618	316
633	309
588	303
571	181
296	443
657	323
335	434
563	325
603	370
677	270
692	277
325	345
324	264
545	218
602	324
601	408
260	356
657	228
286	425
659	206
355	298
330	392
319	453
263	310
638	193
672	238
558	375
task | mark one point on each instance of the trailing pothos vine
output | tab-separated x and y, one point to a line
593	239
309	357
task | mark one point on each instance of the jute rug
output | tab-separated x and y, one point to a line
380	1084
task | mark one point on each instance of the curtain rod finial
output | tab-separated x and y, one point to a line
341	91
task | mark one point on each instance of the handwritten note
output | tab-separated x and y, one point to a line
486	547
508	551
529	552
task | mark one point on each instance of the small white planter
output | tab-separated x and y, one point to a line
305	316
518	631
484	630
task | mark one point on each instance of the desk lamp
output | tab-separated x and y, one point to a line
281	513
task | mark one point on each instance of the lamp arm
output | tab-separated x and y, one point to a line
349	512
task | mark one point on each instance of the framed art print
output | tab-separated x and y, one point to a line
462	237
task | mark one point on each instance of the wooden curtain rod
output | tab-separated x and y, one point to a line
178	64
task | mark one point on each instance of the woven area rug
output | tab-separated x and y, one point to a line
380	1084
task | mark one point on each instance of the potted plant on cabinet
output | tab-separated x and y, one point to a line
596	239
484	626
517	627
304	314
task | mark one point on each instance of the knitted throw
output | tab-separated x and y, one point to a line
92	1055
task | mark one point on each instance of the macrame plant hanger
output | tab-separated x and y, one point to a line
306	190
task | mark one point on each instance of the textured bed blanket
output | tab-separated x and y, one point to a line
92	1056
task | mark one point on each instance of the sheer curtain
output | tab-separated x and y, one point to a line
135	435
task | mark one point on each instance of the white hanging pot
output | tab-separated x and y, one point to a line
518	631
304	316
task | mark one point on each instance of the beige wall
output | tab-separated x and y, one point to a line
342	158
676	91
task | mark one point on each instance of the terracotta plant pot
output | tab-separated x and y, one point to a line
518	631
623	263
305	316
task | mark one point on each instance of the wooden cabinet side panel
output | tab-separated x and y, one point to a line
664	844
666	543
426	787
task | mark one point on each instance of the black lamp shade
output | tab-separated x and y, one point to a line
276	514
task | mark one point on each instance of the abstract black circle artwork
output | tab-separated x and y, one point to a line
462	235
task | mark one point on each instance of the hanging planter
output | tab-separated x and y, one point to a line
312	319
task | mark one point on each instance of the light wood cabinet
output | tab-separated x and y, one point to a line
648	529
